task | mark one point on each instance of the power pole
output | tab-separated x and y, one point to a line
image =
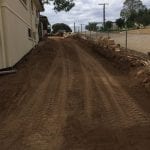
81	27
104	12
74	27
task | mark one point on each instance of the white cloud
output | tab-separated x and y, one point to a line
87	11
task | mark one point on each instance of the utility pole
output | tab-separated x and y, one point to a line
126	35
74	27
81	28
104	12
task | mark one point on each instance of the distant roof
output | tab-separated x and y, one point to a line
45	21
41	5
44	18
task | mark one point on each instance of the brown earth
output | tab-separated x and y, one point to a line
133	63
140	31
66	97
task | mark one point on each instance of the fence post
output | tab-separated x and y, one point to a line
90	34
74	27
126	39
108	33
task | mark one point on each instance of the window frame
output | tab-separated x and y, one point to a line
30	34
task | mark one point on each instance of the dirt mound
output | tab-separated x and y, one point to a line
131	62
140	31
143	77
124	60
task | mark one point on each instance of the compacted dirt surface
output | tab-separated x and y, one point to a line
66	97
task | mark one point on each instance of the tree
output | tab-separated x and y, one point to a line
143	17
108	25
92	26
61	5
131	20
61	26
130	7
135	14
120	23
130	23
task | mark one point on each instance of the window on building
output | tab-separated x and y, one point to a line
29	33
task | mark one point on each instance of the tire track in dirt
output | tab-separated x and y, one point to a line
77	106
43	116
110	118
121	108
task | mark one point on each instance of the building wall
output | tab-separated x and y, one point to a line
17	19
2	57
1	61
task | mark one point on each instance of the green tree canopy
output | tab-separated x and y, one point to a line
108	25
120	23
61	5
130	7
92	26
61	27
143	17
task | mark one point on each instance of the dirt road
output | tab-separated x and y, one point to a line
65	97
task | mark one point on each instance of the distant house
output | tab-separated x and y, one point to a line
19	21
114	26
44	26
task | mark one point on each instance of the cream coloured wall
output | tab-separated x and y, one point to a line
1	61
16	19
2	52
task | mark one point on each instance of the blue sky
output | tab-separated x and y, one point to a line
87	11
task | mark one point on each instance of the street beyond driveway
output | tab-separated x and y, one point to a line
66	97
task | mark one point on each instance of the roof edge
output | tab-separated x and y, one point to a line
42	5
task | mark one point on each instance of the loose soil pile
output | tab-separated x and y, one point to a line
134	63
